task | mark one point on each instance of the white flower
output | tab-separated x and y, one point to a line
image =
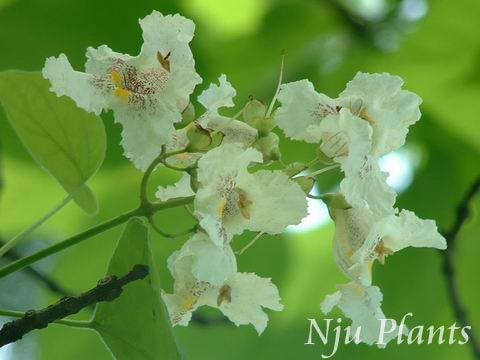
230	199
362	305
147	93
216	97
380	100
303	110
348	140
240	296
180	189
361	238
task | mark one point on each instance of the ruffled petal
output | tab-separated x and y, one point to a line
363	306
302	110
383	103
217	96
80	87
180	189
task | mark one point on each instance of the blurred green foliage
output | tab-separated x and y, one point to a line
434	46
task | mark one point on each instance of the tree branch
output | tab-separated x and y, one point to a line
107	289
459	309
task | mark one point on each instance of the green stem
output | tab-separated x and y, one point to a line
144	185
143	210
68	322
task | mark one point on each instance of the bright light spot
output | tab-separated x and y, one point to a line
400	165
228	18
317	215
6	352
372	10
413	10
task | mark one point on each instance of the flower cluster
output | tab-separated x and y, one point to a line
370	118
222	160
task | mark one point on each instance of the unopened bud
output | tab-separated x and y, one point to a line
294	168
268	146
217	138
322	157
306	183
198	137
253	110
194	184
255	115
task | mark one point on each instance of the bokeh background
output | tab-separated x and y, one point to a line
433	44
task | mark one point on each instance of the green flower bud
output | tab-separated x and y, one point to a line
306	183
294	168
198	137
268	146
194	184
254	114
324	158
254	109
217	138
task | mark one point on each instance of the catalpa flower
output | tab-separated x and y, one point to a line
147	92
230	199
362	304
205	274
370	118
361	238
380	100
216	97
231	130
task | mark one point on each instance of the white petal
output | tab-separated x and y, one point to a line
235	131
180	189
217	96
210	263
249	295
171	34
363	306
352	227
144	132
387	107
277	201
74	84
367	188
398	232
302	107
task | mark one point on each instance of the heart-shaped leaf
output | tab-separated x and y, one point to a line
67	141
136	325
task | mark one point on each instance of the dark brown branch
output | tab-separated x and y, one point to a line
108	289
460	312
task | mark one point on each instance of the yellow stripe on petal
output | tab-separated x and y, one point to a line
122	93
117	78
189	302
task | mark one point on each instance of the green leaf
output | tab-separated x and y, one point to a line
67	141
136	325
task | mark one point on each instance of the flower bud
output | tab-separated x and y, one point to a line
254	115
306	183
217	138
268	146
254	109
198	137
322	157
294	168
